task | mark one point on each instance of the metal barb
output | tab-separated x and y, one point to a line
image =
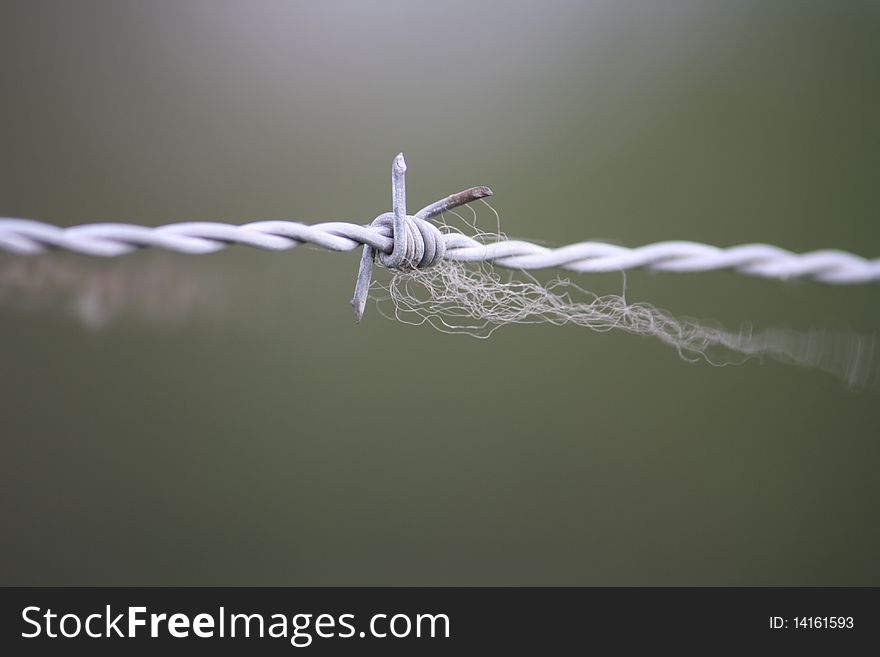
398	207
399	231
462	198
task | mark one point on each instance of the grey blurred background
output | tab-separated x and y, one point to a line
231	424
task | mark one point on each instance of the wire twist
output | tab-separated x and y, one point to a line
405	241
27	237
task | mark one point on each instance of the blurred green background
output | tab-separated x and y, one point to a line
245	436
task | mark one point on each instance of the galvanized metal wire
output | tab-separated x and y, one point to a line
412	241
26	237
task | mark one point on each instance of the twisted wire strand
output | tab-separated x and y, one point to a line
23	236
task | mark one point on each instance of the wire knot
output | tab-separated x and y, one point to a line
419	245
416	243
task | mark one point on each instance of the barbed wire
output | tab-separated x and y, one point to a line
23	236
411	241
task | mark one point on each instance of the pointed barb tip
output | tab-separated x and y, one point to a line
358	310
400	163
